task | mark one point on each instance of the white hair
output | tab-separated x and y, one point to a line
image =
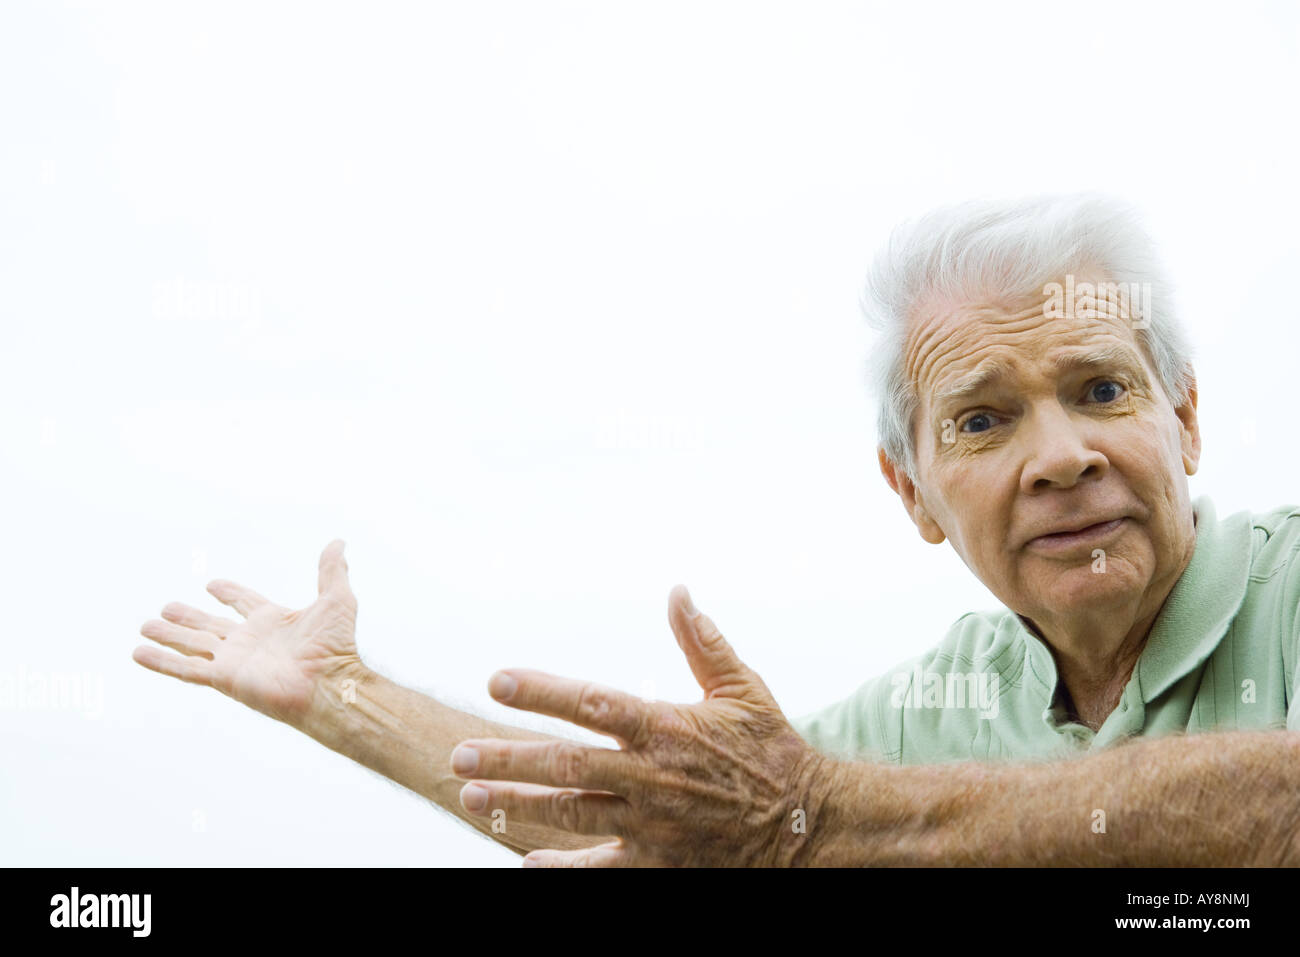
1008	250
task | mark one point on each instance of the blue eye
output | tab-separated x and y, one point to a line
975	418
1108	384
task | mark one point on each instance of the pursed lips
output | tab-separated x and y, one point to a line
1074	527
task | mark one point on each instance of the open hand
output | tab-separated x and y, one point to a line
724	782
275	660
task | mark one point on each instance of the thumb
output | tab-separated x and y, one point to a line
713	661
333	578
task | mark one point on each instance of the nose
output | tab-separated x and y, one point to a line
1058	454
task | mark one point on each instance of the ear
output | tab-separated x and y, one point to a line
1190	432
911	496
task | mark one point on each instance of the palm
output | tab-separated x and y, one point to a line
275	660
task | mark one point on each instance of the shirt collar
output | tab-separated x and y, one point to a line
1195	616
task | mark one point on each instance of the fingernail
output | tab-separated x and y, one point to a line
502	686
690	605
464	760
474	797
531	862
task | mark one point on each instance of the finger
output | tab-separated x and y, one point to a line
187	641
614	854
558	763
243	600
584	703
333	577
200	620
565	809
716	667
187	668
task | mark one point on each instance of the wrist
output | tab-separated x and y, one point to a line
333	703
879	815
800	812
850	827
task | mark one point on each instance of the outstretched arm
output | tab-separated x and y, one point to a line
728	781
302	667
408	737
1218	799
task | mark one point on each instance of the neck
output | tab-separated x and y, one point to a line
1094	684
1096	652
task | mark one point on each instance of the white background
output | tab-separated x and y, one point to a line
543	307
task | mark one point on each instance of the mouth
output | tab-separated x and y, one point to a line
1089	535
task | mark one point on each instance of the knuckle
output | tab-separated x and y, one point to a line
492	759
567	764
565	810
593	704
708	631
676	722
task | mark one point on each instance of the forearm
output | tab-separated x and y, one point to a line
1228	798
408	737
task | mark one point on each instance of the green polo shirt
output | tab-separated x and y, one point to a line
1221	655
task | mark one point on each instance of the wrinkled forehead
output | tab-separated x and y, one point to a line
955	340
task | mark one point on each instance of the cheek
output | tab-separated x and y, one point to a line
986	545
1142	445
1163	434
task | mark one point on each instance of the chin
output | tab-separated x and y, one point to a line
1082	586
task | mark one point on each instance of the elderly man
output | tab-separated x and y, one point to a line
1037	410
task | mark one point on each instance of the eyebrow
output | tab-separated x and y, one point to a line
1111	356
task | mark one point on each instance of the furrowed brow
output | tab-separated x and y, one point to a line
1110	357
968	385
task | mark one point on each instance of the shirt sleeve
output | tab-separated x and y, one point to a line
1290	621
1275	581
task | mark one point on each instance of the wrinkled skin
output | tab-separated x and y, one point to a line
1051	448
276	661
719	783
711	783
